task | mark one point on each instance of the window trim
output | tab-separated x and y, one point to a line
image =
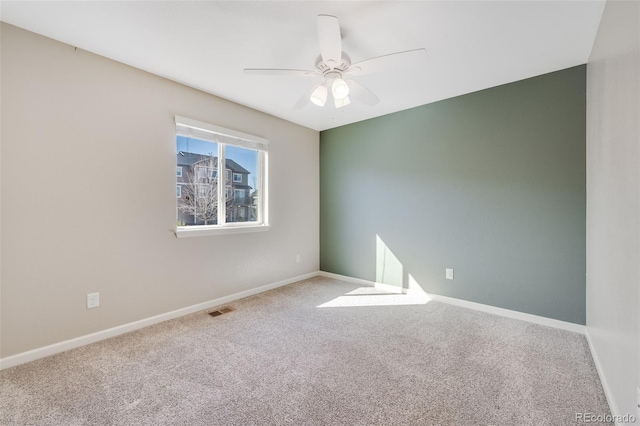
178	171
179	191
234	177
224	137
208	230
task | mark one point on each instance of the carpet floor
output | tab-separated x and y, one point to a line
318	352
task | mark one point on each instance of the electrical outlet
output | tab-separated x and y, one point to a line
297	258
93	300
449	273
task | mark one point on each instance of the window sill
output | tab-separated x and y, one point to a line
206	231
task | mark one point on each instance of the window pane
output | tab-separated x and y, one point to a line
243	200
198	200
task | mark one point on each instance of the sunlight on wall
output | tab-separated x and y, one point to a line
388	290
388	268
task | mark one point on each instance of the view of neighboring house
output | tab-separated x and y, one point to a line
197	188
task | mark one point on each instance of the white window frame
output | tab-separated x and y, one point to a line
239	175
178	171
178	191
223	137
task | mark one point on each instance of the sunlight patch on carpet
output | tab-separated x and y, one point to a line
380	295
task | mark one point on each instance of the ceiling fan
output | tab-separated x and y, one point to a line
337	70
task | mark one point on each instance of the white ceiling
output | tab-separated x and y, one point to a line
470	45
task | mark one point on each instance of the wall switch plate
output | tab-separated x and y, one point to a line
448	273
297	258
93	300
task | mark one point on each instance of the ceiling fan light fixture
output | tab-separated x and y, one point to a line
339	103
319	96
339	89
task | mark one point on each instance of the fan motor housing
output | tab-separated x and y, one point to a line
333	72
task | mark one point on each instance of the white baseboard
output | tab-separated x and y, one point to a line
55	348
605	385
536	319
346	278
382	286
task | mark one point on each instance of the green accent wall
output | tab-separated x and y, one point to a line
491	184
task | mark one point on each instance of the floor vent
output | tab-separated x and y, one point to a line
221	311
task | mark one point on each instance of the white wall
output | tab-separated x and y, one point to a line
613	207
88	196
0	189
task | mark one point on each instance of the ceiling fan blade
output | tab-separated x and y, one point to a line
302	102
277	71
330	39
406	59
361	93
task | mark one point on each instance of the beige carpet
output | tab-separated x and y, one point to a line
281	359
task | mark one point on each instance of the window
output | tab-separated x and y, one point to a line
178	191
204	208
204	171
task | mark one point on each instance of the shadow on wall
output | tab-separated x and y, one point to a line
393	286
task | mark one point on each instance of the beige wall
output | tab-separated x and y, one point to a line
88	196
613	207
